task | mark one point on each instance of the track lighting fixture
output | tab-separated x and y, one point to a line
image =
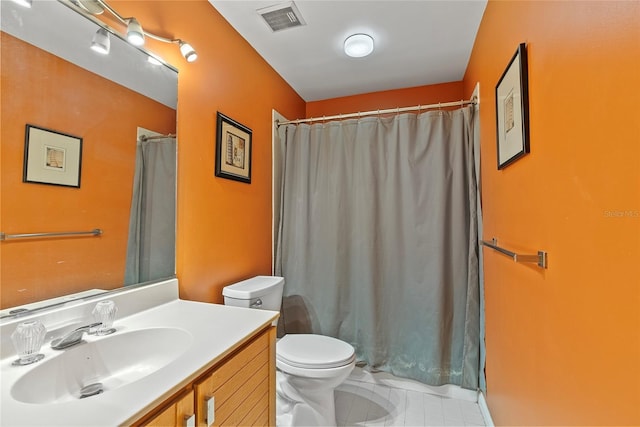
134	35
101	42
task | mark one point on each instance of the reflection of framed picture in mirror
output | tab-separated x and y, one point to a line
233	150
512	110
51	157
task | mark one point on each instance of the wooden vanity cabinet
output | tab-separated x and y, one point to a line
239	390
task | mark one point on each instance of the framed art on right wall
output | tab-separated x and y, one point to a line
512	110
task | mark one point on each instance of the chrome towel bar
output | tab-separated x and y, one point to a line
94	232
540	259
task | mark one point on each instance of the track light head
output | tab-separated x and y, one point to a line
188	51
135	34
101	42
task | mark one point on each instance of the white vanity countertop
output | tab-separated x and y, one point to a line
216	330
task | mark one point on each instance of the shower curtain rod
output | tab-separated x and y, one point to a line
147	138
378	112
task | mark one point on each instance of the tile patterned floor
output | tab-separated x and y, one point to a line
380	399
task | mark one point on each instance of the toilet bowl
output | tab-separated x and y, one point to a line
309	366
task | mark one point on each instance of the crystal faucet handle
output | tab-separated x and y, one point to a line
27	339
105	312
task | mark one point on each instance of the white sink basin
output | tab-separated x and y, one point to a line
111	361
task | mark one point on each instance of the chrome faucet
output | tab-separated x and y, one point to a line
72	338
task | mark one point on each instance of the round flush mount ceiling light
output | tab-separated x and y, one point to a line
358	45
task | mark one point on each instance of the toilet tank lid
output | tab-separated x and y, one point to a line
252	288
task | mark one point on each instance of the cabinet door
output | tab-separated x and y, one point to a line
237	391
180	413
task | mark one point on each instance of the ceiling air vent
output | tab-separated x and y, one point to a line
282	16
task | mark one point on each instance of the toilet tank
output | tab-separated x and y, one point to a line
263	292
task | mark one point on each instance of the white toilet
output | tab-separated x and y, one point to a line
309	367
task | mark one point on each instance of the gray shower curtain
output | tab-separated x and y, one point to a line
378	241
151	243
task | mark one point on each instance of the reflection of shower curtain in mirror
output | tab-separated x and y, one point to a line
151	245
378	240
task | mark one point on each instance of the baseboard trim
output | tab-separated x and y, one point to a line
484	410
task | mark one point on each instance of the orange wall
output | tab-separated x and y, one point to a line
421	95
224	226
58	95
563	344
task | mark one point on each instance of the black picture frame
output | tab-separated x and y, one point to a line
51	157
512	110
233	149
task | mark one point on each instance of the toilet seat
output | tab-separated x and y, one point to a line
309	351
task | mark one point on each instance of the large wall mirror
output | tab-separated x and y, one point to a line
110	104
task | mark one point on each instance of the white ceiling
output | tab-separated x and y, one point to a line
417	42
